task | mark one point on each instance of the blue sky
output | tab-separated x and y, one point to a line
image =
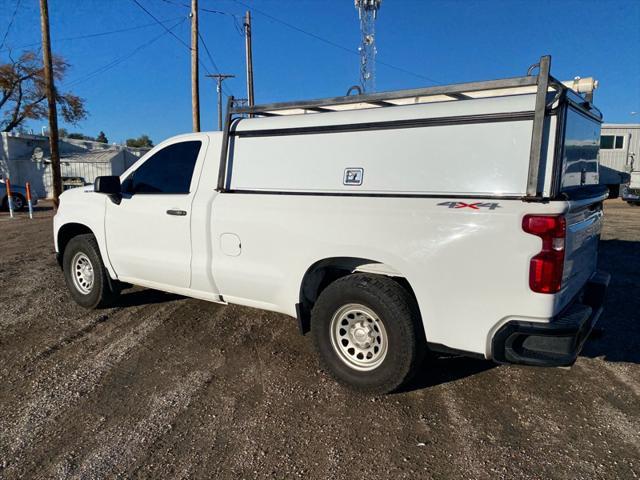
134	84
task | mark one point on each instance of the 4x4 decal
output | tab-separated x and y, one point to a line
473	206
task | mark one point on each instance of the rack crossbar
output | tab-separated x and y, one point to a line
454	91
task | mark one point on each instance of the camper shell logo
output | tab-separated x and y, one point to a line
353	176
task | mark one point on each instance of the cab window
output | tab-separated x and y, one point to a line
168	171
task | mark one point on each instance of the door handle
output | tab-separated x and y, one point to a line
178	213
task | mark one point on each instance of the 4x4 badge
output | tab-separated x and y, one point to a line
473	206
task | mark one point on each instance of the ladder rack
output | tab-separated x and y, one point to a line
460	91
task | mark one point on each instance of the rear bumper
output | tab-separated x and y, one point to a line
557	343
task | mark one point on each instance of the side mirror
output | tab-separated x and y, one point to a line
109	185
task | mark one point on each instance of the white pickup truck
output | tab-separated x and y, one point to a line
461	218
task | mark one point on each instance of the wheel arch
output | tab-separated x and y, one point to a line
323	272
66	232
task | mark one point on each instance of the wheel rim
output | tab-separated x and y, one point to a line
358	337
82	273
17	202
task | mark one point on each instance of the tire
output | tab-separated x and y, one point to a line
378	313
85	274
19	202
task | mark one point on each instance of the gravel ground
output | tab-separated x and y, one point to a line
164	386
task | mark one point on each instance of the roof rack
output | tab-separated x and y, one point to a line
528	84
460	91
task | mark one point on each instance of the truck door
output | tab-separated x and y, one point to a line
148	233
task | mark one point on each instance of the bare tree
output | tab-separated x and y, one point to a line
23	95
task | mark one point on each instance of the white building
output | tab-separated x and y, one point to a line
26	158
619	150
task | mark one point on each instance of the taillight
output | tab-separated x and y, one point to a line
545	269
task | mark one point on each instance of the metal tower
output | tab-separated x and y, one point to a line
368	12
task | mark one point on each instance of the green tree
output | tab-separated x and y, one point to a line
23	94
102	138
143	141
80	136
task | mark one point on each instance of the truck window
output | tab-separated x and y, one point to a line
167	171
580	155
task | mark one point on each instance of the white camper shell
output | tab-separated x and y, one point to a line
527	137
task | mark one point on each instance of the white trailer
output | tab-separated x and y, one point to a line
619	161
458	218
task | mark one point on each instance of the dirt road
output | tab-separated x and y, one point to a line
164	386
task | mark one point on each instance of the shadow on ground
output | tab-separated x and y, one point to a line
25	210
620	322
439	370
134	298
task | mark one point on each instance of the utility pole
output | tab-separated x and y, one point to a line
195	82
51	101
220	77
249	50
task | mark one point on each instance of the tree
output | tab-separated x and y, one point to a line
80	136
143	141
23	94
102	138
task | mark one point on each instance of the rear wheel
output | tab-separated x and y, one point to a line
86	275
367	332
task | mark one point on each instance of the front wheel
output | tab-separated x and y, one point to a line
367	332
86	275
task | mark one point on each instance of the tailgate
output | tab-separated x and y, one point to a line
584	223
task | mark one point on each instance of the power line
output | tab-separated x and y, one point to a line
121	59
237	20
100	34
200	62
206	49
13	17
177	3
161	24
332	43
215	66
204	44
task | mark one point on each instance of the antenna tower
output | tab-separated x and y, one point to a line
367	12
